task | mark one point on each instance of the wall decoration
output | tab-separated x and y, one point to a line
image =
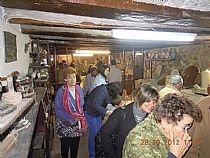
138	69
27	47
10	47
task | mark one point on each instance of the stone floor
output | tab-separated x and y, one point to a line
83	147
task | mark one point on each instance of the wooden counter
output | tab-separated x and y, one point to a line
7	120
22	147
194	97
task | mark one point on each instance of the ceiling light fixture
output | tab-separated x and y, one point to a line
138	54
92	52
83	54
153	35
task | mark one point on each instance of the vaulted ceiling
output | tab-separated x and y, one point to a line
87	24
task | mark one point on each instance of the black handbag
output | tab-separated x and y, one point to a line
106	149
103	150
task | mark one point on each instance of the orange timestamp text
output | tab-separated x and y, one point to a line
169	142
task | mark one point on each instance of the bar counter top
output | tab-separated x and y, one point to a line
20	149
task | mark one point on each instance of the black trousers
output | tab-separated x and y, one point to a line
72	143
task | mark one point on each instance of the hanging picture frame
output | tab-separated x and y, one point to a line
10	47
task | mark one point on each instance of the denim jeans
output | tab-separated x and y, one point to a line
94	124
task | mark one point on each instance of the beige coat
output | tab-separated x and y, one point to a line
115	74
169	88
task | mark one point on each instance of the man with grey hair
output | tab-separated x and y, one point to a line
175	85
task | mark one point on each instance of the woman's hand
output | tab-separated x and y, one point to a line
108	113
179	146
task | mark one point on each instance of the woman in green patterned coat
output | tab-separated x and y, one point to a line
163	134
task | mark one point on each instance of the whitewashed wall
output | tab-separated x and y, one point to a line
22	62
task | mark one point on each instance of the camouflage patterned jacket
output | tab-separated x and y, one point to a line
146	141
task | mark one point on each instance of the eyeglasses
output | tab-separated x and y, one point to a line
187	127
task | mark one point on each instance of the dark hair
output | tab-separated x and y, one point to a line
114	89
113	62
89	67
99	63
174	106
102	69
146	92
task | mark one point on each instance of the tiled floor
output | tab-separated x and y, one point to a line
83	147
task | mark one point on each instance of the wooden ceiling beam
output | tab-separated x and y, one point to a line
90	25
146	22
72	33
113	9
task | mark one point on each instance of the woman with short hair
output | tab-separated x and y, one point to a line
122	120
70	120
164	133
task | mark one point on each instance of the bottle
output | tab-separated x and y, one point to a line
10	84
0	90
208	89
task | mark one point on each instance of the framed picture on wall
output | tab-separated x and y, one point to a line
138	69
10	47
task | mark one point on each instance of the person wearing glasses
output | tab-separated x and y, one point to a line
164	133
71	123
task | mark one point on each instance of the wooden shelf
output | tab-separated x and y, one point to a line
7	120
39	66
158	59
39	80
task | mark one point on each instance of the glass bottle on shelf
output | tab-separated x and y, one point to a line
208	89
10	84
0	90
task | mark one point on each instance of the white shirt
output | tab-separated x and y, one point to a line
99	80
72	91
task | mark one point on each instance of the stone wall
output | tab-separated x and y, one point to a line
164	60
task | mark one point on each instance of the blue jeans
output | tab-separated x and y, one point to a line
94	124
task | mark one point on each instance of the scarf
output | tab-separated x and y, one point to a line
67	107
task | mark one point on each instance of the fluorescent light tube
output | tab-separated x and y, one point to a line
138	54
82	54
92	51
153	35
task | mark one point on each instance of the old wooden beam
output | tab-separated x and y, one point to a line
113	9
91	25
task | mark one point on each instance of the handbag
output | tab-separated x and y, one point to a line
106	149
